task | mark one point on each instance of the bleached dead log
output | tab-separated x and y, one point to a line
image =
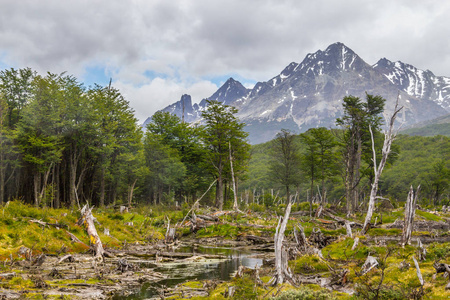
410	211
7	276
88	222
389	137
442	268
67	257
370	263
300	238
281	255
422	251
123	209
196	202
170	233
348	228
74	239
419	274
355	243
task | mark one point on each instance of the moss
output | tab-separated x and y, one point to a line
428	216
308	264
384	232
305	293
342	250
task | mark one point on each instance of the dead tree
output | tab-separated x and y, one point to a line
410	211
235	203
389	136
419	274
87	220
302	243
281	255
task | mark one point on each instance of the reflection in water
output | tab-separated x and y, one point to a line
196	270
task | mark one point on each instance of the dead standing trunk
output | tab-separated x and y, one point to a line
281	255
235	203
88	221
389	137
410	211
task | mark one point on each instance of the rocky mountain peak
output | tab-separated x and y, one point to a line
229	92
310	94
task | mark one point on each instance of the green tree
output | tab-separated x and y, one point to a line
438	181
358	115
285	160
165	166
319	158
39	132
221	131
185	139
117	133
16	86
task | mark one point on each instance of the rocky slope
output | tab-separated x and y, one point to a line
309	94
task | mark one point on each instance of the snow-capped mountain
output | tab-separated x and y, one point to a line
309	94
418	83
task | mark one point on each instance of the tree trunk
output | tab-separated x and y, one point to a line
410	211
88	221
219	192
281	255
130	192
102	188
389	137
36	183
235	203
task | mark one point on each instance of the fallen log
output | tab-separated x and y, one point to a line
7	275
67	257
258	239
419	274
43	224
441	268
208	218
88	221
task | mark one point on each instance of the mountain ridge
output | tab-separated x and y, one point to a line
309	94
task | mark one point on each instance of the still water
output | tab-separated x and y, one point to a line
179	272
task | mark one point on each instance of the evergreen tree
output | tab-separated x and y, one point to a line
221	131
358	115
285	160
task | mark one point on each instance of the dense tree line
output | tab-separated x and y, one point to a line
185	158
64	144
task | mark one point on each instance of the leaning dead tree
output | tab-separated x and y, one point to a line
87	219
389	136
281	255
410	212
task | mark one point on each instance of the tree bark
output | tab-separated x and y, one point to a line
88	221
235	203
281	256
410	211
389	137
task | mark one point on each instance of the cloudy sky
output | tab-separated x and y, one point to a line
157	50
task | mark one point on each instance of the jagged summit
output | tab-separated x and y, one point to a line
415	82
229	92
309	94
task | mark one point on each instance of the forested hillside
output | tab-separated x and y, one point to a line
420	160
63	144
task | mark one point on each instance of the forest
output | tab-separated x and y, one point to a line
69	144
348	199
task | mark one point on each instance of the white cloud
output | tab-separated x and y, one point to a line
157	50
159	92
